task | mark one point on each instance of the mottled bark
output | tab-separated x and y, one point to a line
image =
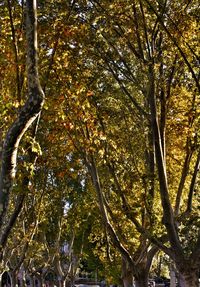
1	279
143	267
27	115
127	274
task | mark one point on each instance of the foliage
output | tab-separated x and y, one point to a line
101	63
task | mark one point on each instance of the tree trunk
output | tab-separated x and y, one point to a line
128	281
141	280
13	278
67	283
189	278
141	277
172	276
1	274
41	281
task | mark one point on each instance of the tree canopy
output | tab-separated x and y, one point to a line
108	163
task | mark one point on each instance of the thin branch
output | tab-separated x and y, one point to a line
15	48
176	44
171	77
184	174
145	30
123	88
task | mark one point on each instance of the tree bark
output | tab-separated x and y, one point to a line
141	280
127	274
189	278
128	280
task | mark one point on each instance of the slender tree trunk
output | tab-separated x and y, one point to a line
172	276
59	281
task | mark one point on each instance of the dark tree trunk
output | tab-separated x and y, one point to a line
141	282
189	277
127	274
13	277
128	280
141	279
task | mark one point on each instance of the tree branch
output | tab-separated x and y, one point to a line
95	179
192	185
176	44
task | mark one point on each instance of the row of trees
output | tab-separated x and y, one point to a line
111	164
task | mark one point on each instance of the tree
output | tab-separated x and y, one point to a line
146	65
122	79
27	114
